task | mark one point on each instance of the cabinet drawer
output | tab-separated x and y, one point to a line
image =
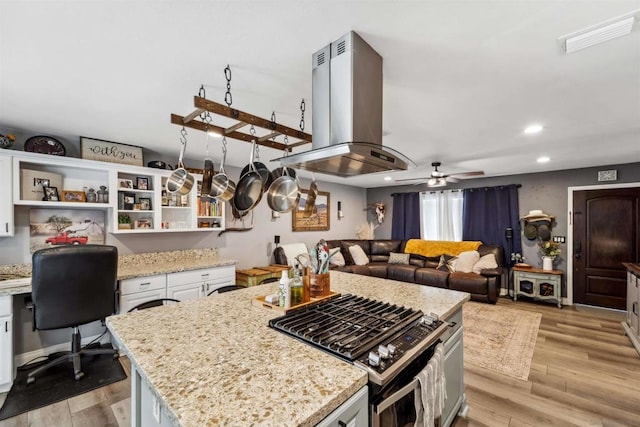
127	302
538	276
139	284
204	275
6	306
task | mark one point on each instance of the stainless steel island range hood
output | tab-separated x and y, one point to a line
347	113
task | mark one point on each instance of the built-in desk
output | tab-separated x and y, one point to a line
202	267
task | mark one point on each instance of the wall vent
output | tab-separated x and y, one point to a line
609	175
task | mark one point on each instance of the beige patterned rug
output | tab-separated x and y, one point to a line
499	338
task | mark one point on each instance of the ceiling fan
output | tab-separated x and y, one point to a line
440	179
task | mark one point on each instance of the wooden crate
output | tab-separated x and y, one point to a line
252	276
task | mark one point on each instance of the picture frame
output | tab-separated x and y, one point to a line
145	203
125	183
142	183
143	223
320	217
126	201
50	194
73	196
110	152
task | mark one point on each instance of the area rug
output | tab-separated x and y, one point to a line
499	338
57	383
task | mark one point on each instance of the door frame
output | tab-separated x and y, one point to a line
570	191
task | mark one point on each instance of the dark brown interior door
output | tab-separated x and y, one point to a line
605	230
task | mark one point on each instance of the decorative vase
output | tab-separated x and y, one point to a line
547	263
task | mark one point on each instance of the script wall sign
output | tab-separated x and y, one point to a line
112	152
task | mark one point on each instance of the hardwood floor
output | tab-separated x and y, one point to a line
584	373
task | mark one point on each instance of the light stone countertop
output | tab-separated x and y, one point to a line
14	278
215	361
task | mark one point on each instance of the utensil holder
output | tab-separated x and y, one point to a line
319	285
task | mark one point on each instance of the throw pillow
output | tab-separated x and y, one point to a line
395	258
447	263
358	255
337	259
486	261
466	261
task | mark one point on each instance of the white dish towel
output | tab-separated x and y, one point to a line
431	392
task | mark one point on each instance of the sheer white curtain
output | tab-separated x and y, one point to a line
441	214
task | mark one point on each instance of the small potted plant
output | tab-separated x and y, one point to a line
124	222
549	250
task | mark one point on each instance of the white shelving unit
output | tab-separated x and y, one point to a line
75	174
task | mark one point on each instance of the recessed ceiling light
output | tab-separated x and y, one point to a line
214	134
543	159
387	178
533	129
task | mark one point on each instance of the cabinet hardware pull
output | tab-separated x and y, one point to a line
204	275
342	424
145	284
6	226
6	326
635	307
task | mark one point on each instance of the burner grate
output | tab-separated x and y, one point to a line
347	326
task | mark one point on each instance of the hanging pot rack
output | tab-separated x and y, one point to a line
244	119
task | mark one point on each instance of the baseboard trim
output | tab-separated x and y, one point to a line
21	359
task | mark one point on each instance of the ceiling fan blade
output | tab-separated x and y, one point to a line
412	179
452	179
467	174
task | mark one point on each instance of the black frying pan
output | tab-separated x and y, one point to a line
263	170
250	187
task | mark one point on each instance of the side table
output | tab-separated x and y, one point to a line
537	283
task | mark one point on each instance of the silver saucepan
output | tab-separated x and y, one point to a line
180	181
221	186
284	193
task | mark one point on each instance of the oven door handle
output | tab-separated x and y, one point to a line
386	403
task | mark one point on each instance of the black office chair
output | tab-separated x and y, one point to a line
154	303
73	285
224	289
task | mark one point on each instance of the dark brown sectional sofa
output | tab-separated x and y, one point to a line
484	287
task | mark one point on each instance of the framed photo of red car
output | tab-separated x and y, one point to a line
65	226
73	196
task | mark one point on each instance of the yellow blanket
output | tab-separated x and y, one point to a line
433	248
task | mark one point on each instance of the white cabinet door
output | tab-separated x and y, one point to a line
186	292
6	352
127	302
6	198
352	413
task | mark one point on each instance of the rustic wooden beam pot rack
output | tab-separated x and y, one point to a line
243	119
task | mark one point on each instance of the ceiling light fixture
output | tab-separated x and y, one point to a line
530	130
387	178
599	33
543	159
214	134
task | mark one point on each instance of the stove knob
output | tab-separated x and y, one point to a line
383	351
392	349
374	359
427	320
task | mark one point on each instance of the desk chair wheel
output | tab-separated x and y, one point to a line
31	380
78	375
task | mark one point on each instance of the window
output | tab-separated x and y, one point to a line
441	215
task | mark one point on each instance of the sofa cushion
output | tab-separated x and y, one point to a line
395	258
466	261
485	262
358	256
431	277
337	259
447	263
402	272
345	244
468	282
378	269
380	249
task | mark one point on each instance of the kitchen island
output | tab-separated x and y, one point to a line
214	361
